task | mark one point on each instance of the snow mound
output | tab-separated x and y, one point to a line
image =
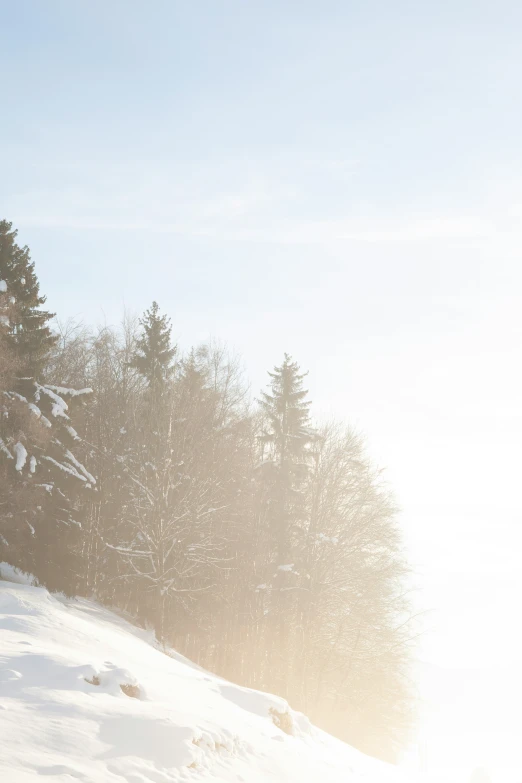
86	696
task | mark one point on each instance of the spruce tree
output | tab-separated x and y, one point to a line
40	477
29	329
154	354
40	473
288	435
42	530
287	414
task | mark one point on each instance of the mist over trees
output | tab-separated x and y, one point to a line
255	540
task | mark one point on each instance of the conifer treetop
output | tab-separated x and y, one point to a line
287	409
154	353
29	332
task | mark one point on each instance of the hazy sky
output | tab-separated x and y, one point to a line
340	180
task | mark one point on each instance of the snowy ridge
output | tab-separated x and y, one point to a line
86	696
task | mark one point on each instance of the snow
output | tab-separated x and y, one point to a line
64	715
66	468
48	487
70	456
3	286
4	320
69	392
34	409
72	432
5	450
21	455
12	574
59	403
59	410
327	539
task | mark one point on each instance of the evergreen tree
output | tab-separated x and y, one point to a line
154	354
42	482
287	413
286	439
40	476
287	435
43	532
29	329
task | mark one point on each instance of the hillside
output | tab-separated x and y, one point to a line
64	715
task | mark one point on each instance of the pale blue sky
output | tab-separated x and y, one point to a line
341	180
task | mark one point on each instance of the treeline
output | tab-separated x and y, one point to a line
258	543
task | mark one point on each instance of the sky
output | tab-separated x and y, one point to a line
339	180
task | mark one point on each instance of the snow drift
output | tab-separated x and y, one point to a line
86	696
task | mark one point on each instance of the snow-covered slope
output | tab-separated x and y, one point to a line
184	725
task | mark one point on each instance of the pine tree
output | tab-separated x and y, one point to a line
154	354
41	479
29	331
43	532
287	413
287	435
40	475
